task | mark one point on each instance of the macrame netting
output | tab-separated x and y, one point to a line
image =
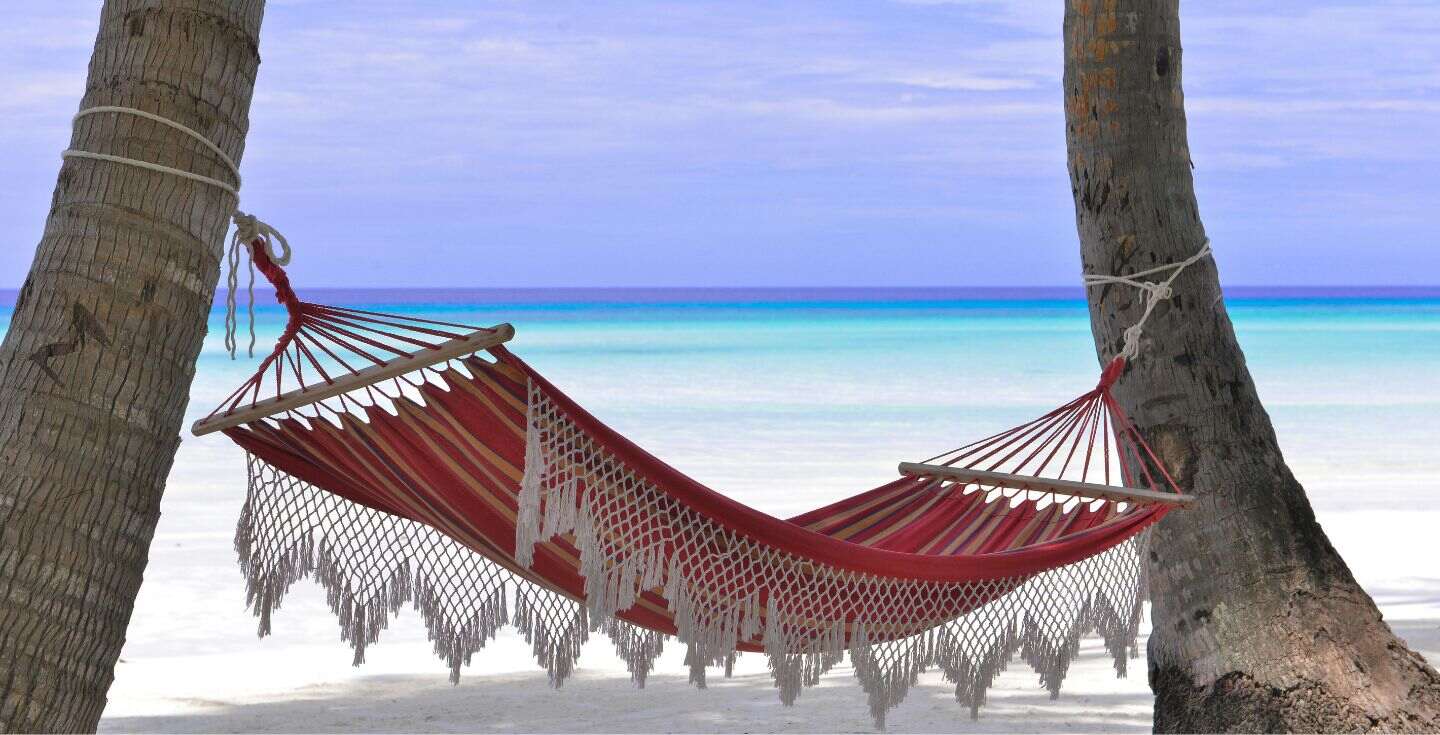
726	588
371	564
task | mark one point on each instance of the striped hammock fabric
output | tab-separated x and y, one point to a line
398	460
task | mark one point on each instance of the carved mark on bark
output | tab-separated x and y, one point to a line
83	326
24	295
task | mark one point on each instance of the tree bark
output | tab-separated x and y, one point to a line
96	367
1258	623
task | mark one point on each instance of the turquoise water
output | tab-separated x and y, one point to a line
785	399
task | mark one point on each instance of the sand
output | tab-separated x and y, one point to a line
193	665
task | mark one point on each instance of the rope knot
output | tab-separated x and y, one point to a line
1131	346
247	227
250	230
1155	292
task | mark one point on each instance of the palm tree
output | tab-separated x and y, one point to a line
1258	623
96	367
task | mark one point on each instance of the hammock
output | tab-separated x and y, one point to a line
397	459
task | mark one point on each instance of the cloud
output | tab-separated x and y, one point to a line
558	125
962	82
1025	15
830	110
42	92
1295	107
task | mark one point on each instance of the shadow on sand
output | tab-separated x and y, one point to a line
520	703
593	702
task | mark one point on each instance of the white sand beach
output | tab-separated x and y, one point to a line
192	662
177	696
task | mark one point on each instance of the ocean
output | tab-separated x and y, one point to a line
786	399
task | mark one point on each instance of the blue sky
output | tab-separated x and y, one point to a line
786	142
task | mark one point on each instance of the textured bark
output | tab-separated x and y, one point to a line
1258	623
96	367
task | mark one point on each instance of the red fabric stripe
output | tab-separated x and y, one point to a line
835	516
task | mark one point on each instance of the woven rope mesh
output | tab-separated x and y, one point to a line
722	588
371	564
725	588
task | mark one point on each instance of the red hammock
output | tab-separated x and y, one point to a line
471	484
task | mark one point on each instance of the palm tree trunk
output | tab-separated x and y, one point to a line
1258	623
96	367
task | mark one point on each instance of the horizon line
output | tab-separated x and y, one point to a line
662	294
809	287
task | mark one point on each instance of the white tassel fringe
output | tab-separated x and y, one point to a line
371	564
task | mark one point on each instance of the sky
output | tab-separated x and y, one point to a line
510	143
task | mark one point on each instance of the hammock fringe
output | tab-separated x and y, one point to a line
576	487
372	564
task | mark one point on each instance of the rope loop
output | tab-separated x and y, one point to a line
1160	291
251	230
1132	342
1155	292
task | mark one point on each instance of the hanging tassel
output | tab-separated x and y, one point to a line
250	232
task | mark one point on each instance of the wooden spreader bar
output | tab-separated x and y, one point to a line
1045	484
300	397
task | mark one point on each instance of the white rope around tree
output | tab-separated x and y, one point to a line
248	229
1155	292
233	189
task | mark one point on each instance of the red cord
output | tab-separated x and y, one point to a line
1111	373
284	294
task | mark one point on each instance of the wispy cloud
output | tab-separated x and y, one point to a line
961	82
41	93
